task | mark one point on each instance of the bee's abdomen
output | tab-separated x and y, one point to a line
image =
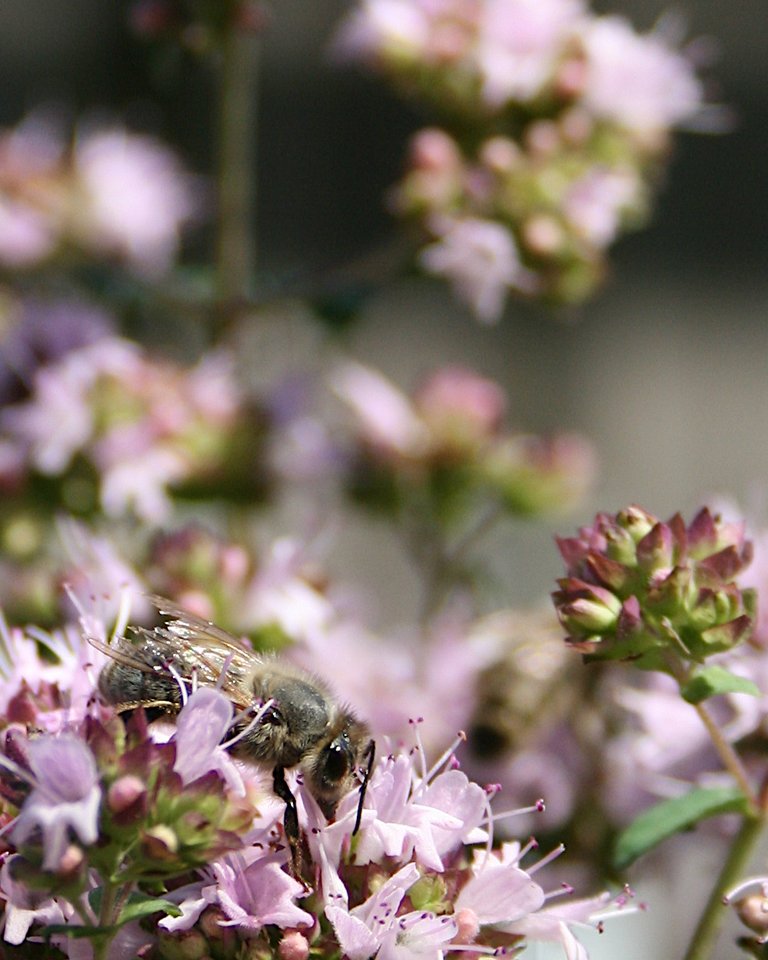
121	684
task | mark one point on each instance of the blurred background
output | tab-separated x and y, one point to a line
665	369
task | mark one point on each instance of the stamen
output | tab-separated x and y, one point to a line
257	718
614	911
565	891
445	757
533	844
475	948
489	827
538	807
745	885
181	683
419	747
224	668
123	613
552	855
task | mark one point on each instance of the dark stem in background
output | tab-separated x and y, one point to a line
236	176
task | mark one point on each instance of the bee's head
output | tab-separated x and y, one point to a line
331	770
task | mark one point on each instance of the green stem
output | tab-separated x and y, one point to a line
727	754
714	913
235	243
729	757
106	919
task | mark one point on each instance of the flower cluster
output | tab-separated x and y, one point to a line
151	843
275	598
119	429
557	124
446	447
105	194
637	587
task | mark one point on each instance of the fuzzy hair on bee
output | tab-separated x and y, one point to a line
303	727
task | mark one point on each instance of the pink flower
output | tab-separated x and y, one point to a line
553	924
386	417
104	589
66	796
202	724
413	818
26	235
136	197
499	891
461	405
596	203
520	44
140	484
386	29
24	906
258	894
418	935
374	926
480	260
639	82
36	660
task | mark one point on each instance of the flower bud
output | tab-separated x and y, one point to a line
543	235
591	615
428	893
468	924
126	794
160	842
71	861
461	408
182	945
293	946
753	912
223	937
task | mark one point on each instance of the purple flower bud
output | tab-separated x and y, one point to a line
127	799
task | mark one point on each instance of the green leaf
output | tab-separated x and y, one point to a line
712	681
140	905
672	816
137	905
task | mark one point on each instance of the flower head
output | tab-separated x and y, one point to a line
636	585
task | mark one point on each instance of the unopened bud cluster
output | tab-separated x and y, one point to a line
636	587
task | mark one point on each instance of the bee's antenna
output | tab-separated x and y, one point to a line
370	756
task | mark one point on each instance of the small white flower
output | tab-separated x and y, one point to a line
479	258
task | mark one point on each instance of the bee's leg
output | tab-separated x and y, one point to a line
290	818
369	755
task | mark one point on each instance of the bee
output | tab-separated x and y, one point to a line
303	726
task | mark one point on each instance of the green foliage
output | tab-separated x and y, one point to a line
673	816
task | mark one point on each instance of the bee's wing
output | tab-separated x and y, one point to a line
198	651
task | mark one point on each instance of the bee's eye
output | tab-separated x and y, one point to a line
338	760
